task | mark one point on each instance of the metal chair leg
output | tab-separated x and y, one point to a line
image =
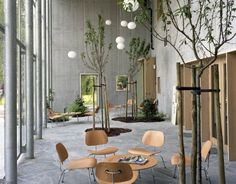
163	161
206	175
89	176
153	177
61	179
93	175
174	175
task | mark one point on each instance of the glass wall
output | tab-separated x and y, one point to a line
1	108
1	94
21	82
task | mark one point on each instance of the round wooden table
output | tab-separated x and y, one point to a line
152	162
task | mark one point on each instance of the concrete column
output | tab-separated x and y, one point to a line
29	78
39	70
44	66
47	55
10	146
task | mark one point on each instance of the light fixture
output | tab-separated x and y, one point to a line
130	5
131	25
120	39
108	22
120	46
123	23
72	54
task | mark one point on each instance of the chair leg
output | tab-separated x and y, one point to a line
63	176
163	161
206	174
153	176
61	179
93	175
89	176
139	174
174	175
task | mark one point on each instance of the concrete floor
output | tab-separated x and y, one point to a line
44	169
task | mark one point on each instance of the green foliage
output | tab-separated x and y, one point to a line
50	97
203	26
78	106
122	81
87	84
138	49
149	109
1	12
161	116
96	52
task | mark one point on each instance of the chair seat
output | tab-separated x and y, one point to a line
81	163
141	151
109	150
175	160
132	180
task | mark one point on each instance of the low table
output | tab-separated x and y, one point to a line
152	162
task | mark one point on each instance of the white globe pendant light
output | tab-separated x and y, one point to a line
123	23
72	54
130	5
131	25
120	39
120	46
108	22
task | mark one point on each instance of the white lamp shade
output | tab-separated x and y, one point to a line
123	23
120	46
72	54
108	22
130	5
120	39
131	25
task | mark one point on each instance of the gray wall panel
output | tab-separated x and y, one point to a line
69	18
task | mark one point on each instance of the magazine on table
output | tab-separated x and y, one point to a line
138	159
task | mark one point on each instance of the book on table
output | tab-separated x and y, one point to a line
137	159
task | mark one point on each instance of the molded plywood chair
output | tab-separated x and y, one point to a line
205	152
150	138
83	163
98	137
110	173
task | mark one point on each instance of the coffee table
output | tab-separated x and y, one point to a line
152	162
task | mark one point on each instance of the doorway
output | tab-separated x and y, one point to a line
87	81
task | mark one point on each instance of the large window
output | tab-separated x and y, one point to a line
21	128
1	108
87	83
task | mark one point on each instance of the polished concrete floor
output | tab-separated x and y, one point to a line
44	169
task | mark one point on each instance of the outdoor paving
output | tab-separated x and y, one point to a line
44	169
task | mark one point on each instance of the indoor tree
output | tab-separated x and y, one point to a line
202	27
138	52
96	54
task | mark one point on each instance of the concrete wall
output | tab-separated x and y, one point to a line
166	58
68	28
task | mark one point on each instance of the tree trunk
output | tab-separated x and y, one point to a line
101	97
107	119
136	99
218	127
182	178
199	130
105	106
194	132
126	101
94	104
